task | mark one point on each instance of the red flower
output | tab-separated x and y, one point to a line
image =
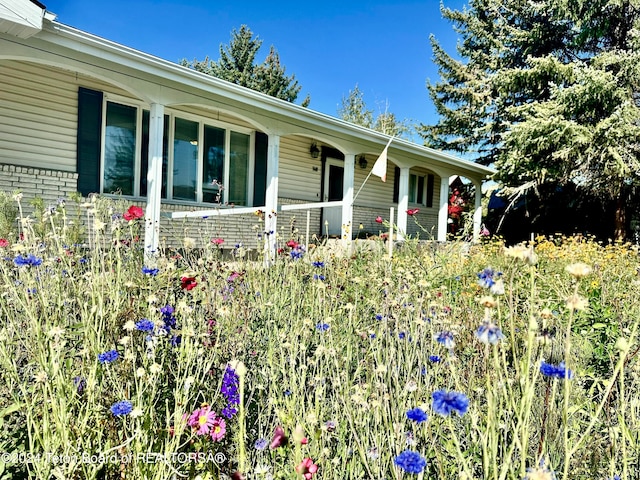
379	219
292	244
412	211
217	241
307	468
133	213
188	283
279	438
4	242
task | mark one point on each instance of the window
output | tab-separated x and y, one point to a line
420	188
203	161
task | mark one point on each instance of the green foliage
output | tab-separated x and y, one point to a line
8	216
237	64
547	92
354	110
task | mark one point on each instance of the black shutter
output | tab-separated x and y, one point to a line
430	180
396	184
260	169
89	136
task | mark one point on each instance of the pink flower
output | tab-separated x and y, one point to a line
379	219
4	243
218	429
292	244
217	241
133	213
307	468
279	438
412	211
202	420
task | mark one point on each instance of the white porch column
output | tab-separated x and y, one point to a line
154	180
477	212
271	199
403	203
347	198
443	212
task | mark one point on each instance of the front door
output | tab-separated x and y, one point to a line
333	181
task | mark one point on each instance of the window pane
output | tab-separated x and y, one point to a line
144	157
238	168
412	188
213	171
185	160
420	196
119	149
144	153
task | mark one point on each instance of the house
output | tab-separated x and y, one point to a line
79	113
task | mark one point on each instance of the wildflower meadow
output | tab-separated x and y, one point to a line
447	361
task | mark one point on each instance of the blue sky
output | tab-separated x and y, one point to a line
330	46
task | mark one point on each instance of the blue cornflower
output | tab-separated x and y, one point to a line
380	317
287	392
486	278
434	358
323	327
261	444
417	415
297	253
446	339
410	462
150	271
230	383
319	277
29	261
553	371
401	335
168	319
121	408
489	333
318	264
145	325
108	357
446	402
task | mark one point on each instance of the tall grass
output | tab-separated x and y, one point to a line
333	349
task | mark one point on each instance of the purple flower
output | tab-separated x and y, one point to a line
108	357
229	389
261	444
446	402
417	415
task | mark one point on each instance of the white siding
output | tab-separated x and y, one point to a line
297	177
38	115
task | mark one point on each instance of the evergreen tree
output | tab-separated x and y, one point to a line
547	91
354	110
237	64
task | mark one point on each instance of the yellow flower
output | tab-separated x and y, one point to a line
578	270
